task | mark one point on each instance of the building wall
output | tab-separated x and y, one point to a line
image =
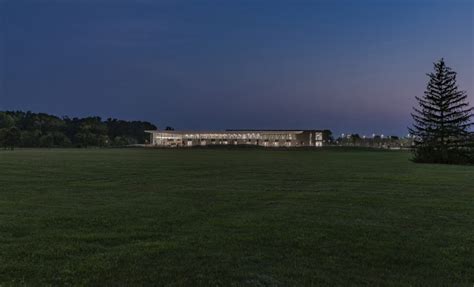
264	138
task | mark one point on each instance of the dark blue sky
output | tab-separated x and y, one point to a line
351	66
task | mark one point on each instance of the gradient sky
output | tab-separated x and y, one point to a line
350	66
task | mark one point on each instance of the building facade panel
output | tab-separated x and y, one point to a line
265	138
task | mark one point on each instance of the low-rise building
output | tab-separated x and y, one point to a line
265	138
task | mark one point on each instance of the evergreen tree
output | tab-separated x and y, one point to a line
442	120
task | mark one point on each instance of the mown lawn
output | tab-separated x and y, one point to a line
233	218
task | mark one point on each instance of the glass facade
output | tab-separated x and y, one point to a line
269	138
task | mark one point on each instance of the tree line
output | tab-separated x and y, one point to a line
376	141
28	129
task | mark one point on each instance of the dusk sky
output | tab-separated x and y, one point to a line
349	66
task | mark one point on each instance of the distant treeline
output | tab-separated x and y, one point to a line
27	129
376	141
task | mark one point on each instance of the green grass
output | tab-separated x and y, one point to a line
233	218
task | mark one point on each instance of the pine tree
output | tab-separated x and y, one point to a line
442	120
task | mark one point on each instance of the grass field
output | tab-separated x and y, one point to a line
233	218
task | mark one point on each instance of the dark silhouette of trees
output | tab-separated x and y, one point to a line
6	121
126	133
10	137
43	130
92	132
355	138
442	120
327	136
9	134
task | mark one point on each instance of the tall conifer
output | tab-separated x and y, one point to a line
442	120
